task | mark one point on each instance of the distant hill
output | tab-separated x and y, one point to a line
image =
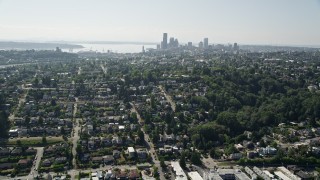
7	45
116	42
273	48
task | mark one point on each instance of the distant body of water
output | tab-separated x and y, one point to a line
117	48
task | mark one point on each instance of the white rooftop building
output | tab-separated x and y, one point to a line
288	173
252	174
131	152
179	173
281	175
261	173
194	175
268	174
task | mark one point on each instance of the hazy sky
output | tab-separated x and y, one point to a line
295	22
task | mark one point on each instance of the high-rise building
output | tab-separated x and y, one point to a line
165	41
190	45
58	49
235	47
176	43
171	42
206	43
201	45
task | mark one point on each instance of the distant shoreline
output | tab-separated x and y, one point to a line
128	46
113	42
8	45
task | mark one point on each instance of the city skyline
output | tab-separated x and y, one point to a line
272	22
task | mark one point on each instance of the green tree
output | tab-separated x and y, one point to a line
36	82
182	161
19	143
162	164
27	120
214	153
229	120
4	124
134	117
155	170
196	158
44	140
230	149
40	120
141	136
155	137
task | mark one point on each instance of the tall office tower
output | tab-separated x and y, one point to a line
158	46
201	45
58	49
171	42
235	47
190	45
206	43
176	43
165	41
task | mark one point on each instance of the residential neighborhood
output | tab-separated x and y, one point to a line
183	113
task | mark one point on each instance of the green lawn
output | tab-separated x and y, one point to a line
32	141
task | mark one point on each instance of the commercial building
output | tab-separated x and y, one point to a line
164	41
288	173
206	43
235	47
179	173
261	173
281	175
236	174
201	45
252	174
131	152
194	175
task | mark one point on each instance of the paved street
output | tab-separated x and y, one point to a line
35	167
22	100
75	134
149	144
74	172
104	69
169	98
34	170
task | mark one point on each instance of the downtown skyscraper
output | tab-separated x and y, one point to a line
206	43
164	43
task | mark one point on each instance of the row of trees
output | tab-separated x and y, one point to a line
4	121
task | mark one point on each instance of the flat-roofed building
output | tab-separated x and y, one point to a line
236	174
194	175
281	175
268	174
261	173
179	173
131	152
288	173
252	174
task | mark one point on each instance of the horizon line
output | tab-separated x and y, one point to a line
155	43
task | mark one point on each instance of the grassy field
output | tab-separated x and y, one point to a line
227	163
31	141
